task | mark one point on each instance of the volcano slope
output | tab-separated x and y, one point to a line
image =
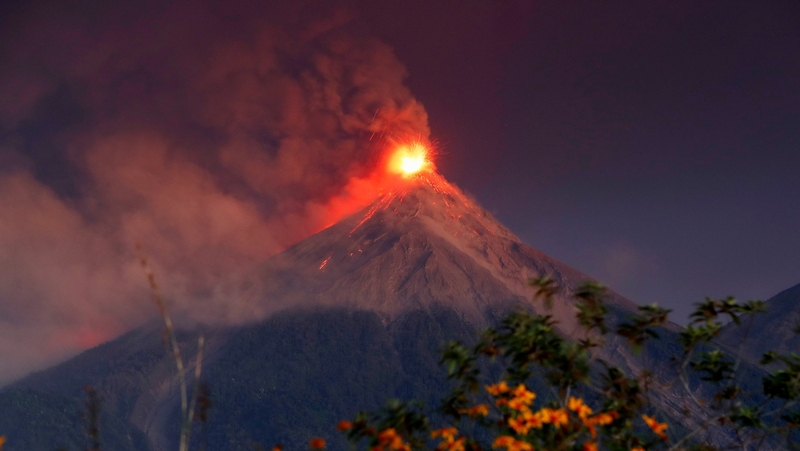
365	307
773	331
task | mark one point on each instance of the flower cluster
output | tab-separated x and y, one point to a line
521	419
511	444
388	439
449	441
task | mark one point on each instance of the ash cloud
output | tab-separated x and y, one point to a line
214	134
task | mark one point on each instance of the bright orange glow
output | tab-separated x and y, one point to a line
408	160
399	164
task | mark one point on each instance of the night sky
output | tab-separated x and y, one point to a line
652	145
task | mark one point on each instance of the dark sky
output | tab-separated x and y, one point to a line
653	145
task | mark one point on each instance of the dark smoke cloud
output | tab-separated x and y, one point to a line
213	134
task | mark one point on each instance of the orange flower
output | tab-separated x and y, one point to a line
638	448
389	437
521	398
277	447
457	445
480	409
556	417
519	425
523	395
317	443
344	425
445	433
590	446
497	389
517	404
449	442
657	427
525	421
603	419
576	405
2	440
511	444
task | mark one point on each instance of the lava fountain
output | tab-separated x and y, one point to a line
409	160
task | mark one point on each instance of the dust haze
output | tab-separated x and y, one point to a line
213	134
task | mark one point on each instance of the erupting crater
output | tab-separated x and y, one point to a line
409	160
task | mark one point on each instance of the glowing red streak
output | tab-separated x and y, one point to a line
384	202
324	262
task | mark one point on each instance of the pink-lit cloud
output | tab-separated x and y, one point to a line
214	138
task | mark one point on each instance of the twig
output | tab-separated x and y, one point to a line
187	411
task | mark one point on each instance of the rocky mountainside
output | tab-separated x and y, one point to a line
773	331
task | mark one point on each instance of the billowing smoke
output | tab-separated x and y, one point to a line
213	135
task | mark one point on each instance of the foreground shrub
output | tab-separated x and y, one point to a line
507	415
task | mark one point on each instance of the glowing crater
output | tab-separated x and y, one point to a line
409	160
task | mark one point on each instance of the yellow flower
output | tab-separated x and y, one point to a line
511	444
497	389
317	443
576	405
657	427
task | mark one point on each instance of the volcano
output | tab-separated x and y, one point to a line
422	245
355	314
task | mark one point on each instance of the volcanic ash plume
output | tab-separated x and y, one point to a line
213	146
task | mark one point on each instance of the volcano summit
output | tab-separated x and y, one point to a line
420	245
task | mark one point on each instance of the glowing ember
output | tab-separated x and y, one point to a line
409	160
325	262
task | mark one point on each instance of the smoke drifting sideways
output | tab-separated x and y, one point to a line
208	132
